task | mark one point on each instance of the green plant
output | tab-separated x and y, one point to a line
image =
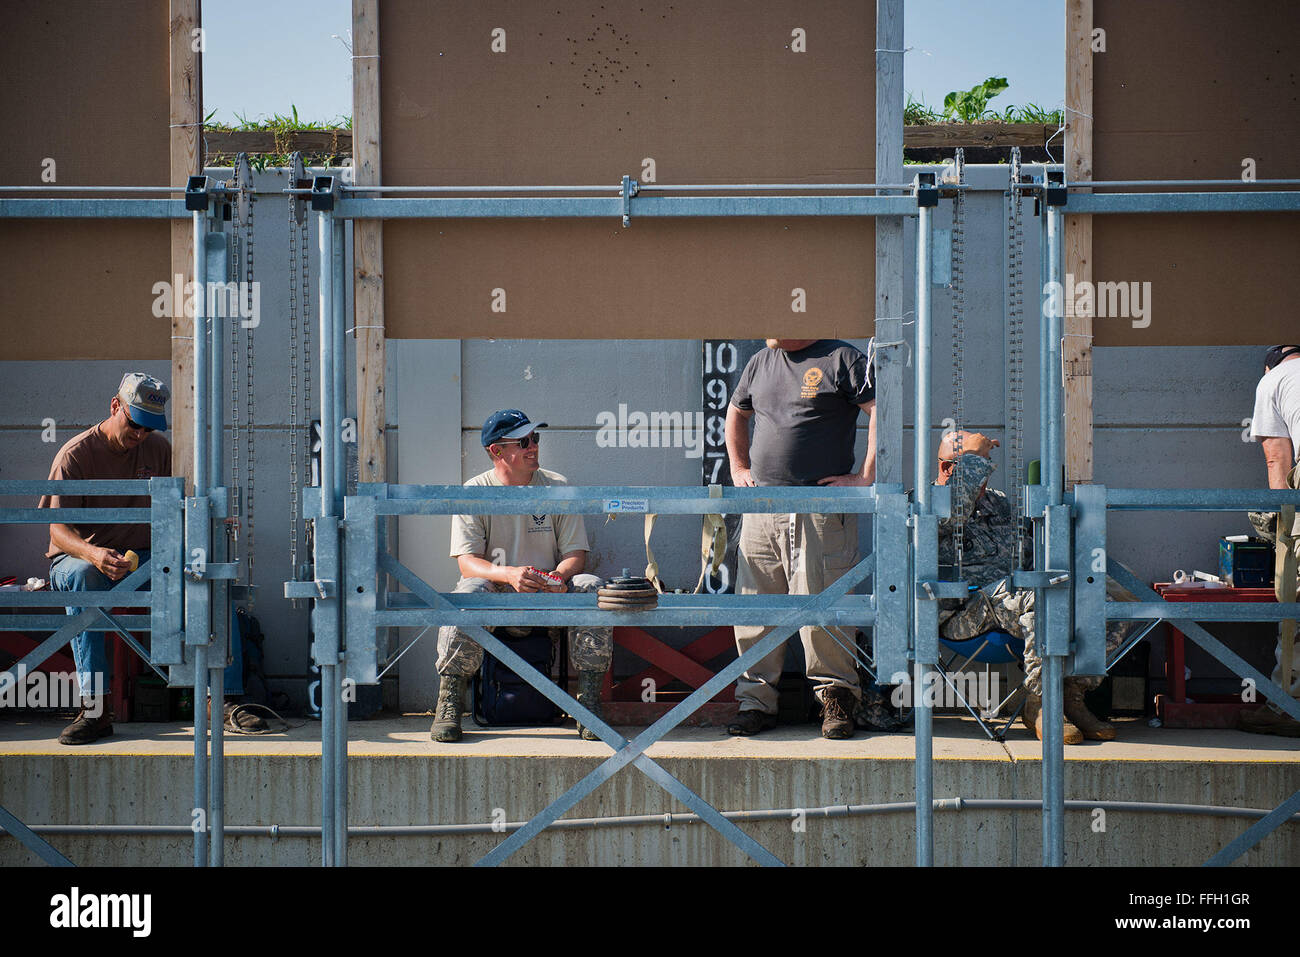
916	113
970	106
1032	113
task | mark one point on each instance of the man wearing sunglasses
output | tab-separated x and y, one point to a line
522	553
127	445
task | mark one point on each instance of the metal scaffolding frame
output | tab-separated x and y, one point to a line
189	570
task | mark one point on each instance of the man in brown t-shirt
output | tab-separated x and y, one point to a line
126	445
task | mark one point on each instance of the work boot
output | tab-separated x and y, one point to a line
589	683
837	713
1032	716
1267	721
446	714
88	730
1076	712
751	722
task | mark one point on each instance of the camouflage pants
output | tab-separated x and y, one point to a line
590	649
1001	607
1265	524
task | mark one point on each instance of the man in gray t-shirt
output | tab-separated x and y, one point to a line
803	396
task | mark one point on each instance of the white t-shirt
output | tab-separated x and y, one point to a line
1277	404
537	540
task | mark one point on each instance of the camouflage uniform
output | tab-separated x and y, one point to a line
590	648
989	535
1265	524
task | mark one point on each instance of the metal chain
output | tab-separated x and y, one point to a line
237	239
1016	349
294	477
250	486
957	285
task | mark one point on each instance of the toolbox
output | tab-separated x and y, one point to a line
1246	561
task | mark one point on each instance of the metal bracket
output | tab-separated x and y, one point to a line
196	193
322	194
1054	191
934	590
630	188
1052	578
316	588
925	190
213	571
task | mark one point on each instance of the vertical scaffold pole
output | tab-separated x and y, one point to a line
340	750
200	651
921	705
329	429
218	265
1052	647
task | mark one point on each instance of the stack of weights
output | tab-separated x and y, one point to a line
627	594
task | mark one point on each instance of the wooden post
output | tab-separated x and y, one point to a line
186	160
1077	349
889	246
368	247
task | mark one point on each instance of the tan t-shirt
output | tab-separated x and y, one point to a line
537	540
89	456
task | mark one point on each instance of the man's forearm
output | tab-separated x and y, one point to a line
573	563
869	460
476	566
737	430
66	540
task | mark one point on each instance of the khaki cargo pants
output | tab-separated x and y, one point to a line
778	556
590	649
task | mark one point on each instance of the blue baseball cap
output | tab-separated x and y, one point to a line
508	424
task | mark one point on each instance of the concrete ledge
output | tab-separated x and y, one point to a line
144	775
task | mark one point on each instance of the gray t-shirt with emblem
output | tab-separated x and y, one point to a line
537	540
805	406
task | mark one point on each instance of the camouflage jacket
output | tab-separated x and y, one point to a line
989	530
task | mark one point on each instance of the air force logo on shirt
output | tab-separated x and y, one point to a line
541	523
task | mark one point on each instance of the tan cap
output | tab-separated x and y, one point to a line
146	397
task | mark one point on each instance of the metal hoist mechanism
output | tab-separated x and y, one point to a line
1015	293
245	458
299	359
957	289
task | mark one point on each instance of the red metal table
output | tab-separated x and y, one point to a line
1209	710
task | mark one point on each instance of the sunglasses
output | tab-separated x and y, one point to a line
531	439
132	424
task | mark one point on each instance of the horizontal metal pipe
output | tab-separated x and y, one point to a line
93	209
74	487
1265	202
675	617
661	820
73	599
1201	610
1184	182
592	207
55	622
1200	499
599	500
607	188
92	189
79	516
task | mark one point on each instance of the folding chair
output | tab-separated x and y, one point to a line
990	648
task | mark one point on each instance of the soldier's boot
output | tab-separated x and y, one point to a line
88	728
1076	711
446	714
1032	716
589	683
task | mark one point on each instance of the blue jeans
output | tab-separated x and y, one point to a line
88	648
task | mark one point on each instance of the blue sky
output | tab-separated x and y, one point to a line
262	57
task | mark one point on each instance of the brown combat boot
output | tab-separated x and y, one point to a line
1092	727
87	729
1032	717
837	713
446	714
589	683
